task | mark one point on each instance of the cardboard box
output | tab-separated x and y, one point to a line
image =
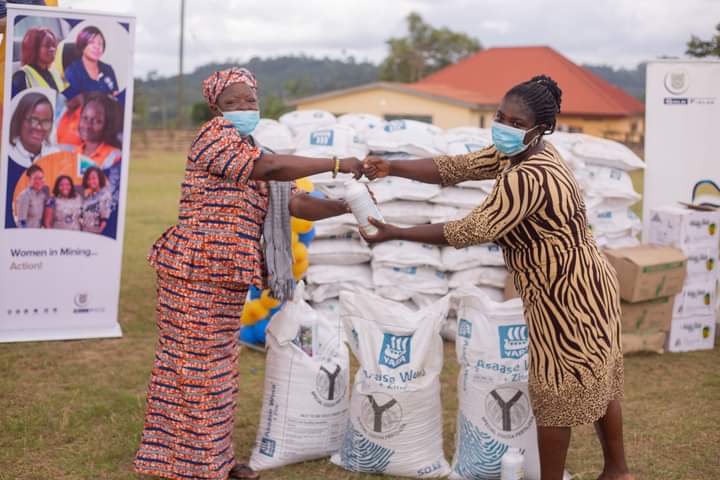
696	299
680	226
647	272
689	334
644	342
702	263
647	317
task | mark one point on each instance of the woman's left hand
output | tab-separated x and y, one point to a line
385	232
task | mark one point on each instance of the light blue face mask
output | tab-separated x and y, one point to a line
245	121
509	140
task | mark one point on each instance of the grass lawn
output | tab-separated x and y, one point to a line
73	410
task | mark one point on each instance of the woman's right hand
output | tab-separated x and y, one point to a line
351	165
376	167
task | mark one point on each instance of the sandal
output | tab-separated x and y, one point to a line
241	470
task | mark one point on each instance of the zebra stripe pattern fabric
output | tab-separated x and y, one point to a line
191	399
569	289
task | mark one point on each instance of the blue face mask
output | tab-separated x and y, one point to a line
509	140
245	121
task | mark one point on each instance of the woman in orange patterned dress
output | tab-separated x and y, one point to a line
205	265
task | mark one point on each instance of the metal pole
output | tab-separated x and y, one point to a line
178	115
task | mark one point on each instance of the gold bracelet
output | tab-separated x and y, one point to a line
336	168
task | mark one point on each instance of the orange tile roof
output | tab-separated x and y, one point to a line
489	74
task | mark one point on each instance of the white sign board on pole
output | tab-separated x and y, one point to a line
67	115
682	125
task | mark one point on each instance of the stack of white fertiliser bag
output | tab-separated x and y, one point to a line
395	425
602	169
494	411
405	201
306	394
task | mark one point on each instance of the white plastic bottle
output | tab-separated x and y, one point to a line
511	465
362	206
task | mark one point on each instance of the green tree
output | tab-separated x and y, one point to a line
273	106
424	50
697	47
200	113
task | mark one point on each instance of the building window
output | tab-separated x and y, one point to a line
573	129
419	118
482	121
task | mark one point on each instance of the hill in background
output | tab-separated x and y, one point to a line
284	78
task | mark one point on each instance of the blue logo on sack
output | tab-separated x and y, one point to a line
464	328
267	447
395	350
395	125
323	138
407	270
513	341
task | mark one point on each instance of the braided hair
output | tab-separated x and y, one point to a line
542	96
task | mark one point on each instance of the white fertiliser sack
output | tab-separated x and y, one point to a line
399	253
618	222
338	252
467	198
406	136
363	123
274	135
397	188
342	226
461	144
411	279
485	255
396	422
306	395
329	274
302	120
416	213
335	140
486	276
608	182
494	411
327	281
608	153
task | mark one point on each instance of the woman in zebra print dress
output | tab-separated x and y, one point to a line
569	290
205	264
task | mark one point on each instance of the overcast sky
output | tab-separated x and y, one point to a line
621	33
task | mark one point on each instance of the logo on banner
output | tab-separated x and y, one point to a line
395	350
513	341
82	304
81	300
676	82
381	415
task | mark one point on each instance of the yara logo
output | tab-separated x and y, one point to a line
395	350
394	125
513	341
322	137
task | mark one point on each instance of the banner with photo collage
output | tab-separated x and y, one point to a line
67	111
